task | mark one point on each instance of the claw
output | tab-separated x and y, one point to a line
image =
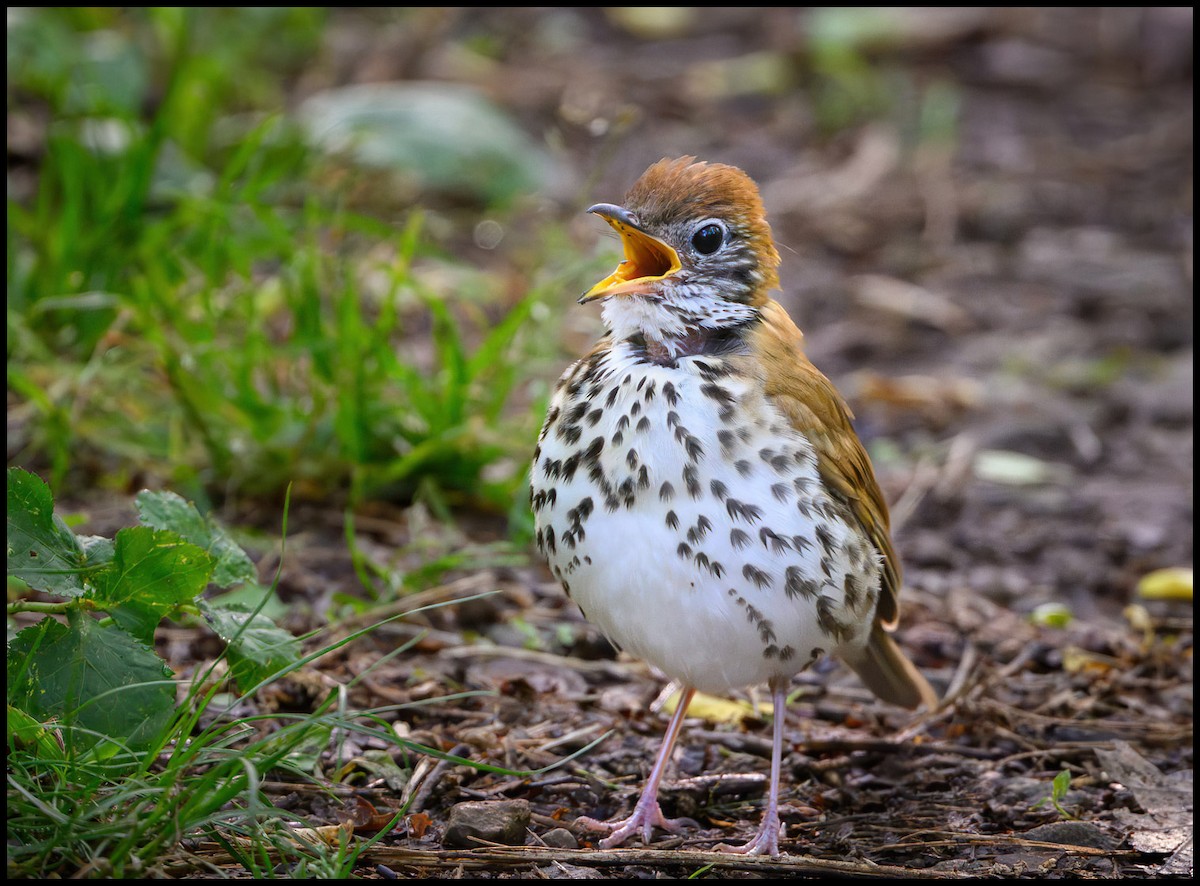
645	817
765	842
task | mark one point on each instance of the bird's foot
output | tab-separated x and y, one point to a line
765	842
646	816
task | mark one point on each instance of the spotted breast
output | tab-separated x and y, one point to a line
729	564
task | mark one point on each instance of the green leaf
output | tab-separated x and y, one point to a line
1015	468
258	648
95	678
138	618
152	572
155	566
1051	615
300	749
97	550
42	551
25	731
166	510
249	597
1060	786
449	139
381	764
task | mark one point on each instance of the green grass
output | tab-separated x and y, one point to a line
199	300
127	812
195	301
108	775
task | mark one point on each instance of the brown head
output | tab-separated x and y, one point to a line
692	231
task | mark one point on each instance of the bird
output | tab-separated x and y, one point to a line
698	487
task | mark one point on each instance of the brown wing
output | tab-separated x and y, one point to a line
814	407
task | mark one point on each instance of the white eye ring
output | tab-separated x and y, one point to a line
708	237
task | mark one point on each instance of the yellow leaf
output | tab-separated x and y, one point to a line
328	834
1075	660
1173	583
1140	620
718	710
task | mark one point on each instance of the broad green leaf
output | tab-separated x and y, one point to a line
248	597
95	678
150	573
258	648
448	139
97	550
152	567
139	618
42	551
166	510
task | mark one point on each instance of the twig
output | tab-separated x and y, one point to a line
617	669
926	474
953	839
893	746
490	856
427	784
962	674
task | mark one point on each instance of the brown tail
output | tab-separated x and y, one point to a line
887	672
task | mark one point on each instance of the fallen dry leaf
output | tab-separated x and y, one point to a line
1172	583
1165	827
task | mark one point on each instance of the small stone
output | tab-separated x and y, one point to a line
560	838
1072	833
494	821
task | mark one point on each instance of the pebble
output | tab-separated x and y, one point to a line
492	821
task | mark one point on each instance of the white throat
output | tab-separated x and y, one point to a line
671	316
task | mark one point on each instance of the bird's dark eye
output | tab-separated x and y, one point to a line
708	239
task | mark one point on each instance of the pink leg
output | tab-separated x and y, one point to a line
766	841
647	814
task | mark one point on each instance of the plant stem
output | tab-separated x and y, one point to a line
47	607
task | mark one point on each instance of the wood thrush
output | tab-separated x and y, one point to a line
697	486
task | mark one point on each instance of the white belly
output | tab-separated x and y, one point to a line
686	518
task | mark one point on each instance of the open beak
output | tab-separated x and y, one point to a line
647	259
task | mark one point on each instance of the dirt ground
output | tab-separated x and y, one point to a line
1006	301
